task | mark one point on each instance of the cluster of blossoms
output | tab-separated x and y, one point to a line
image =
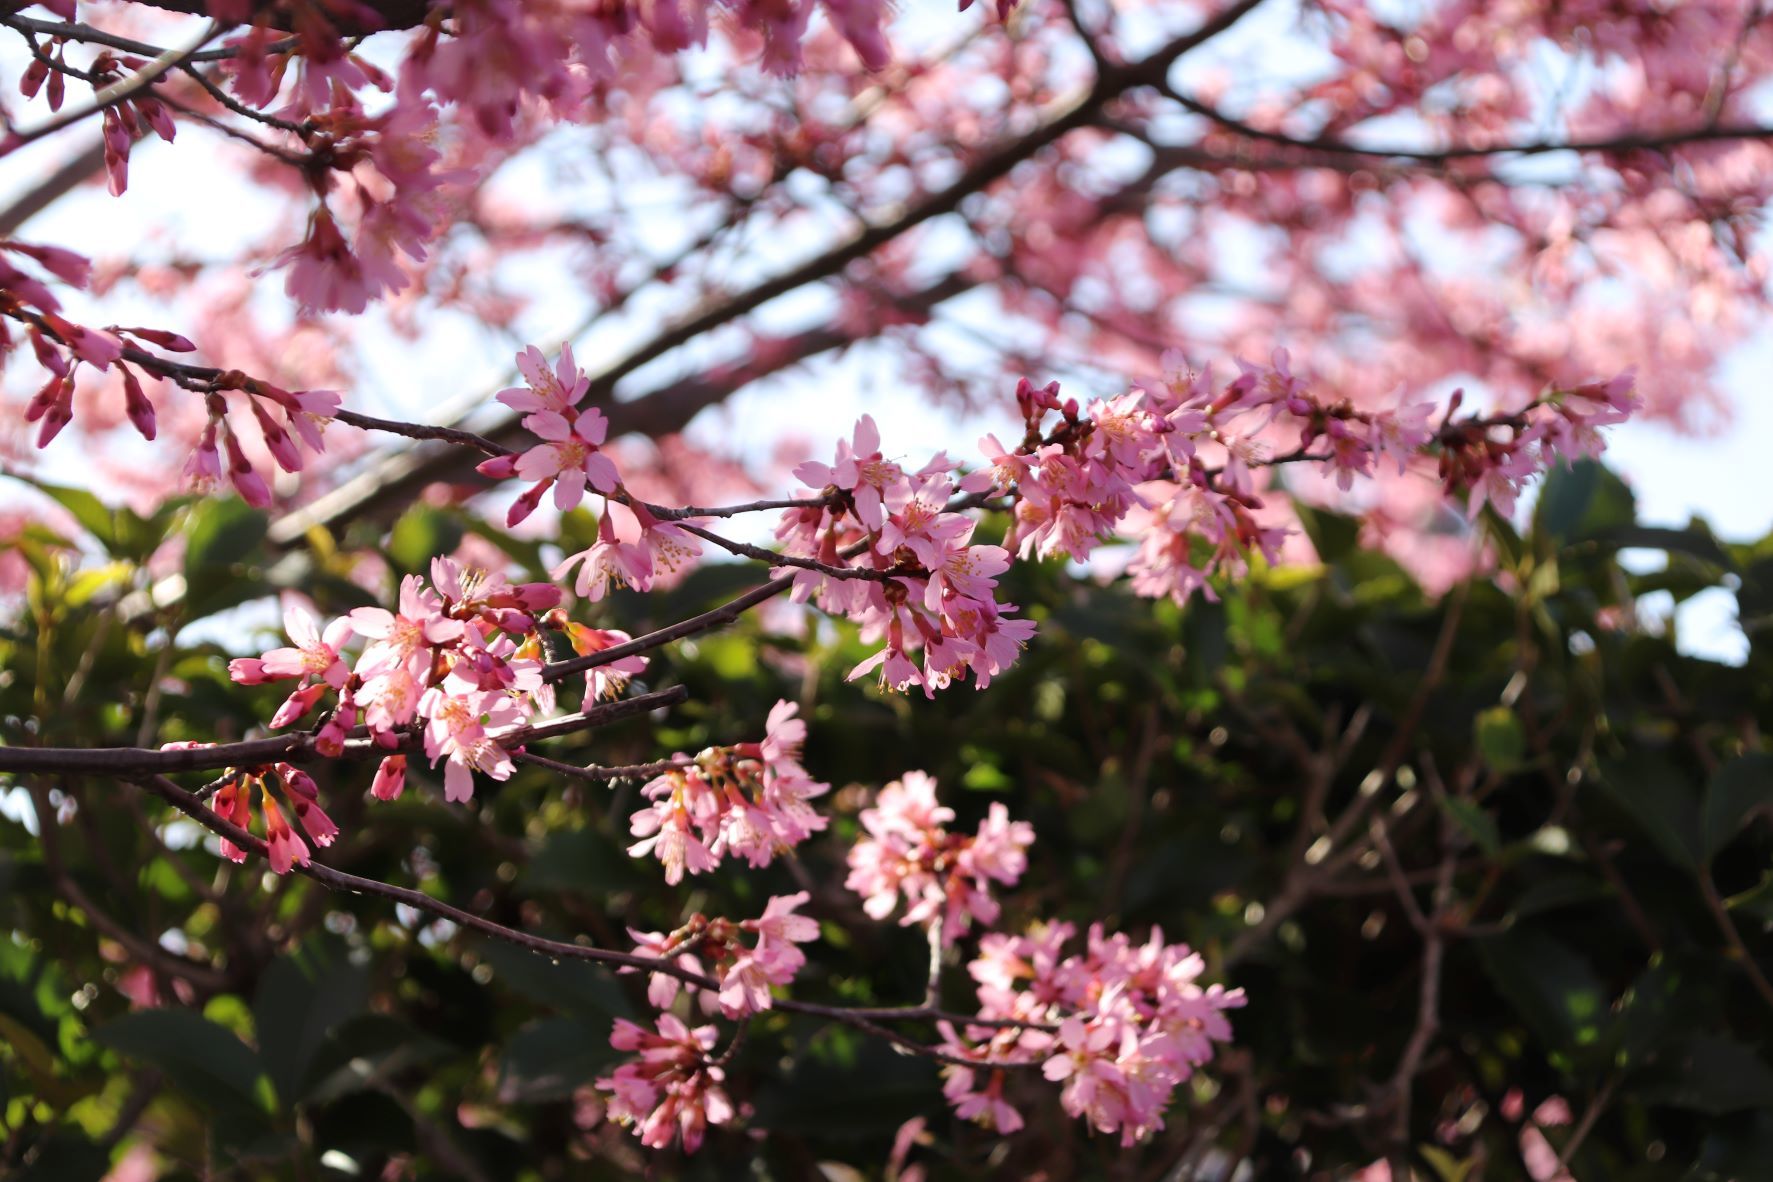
745	973
920	584
672	1088
749	800
634	547
1172	460
498	54
61	346
390	168
1140	462
267	784
462	660
460	664
1494	459
286	420
943	878
1121	1024
303	412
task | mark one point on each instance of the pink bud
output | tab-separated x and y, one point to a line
298	781
526	504
156	117
48	356
390	779
136	404
117	145
248	483
298	704
498	467
331	739
58	413
32	79
248	671
43	399
282	447
170	341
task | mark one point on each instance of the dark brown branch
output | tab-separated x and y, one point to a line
338	880
719	617
632	771
296	748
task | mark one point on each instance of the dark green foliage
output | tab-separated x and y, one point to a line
1578	810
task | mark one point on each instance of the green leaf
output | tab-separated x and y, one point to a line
88	584
222	532
1737	791
1581	500
1500	738
1662	802
198	1056
424	532
303	997
582	861
1663	1001
1696	541
94	516
366	1049
1446	1166
1479	825
1709	1074
1332	535
1551	986
547	1060
572	985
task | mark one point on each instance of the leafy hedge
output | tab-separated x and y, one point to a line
1466	855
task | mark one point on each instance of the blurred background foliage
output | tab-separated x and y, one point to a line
1313	781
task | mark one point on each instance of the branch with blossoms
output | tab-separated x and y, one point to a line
459	669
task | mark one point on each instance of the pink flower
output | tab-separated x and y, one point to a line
315	654
779	930
745	986
324	276
671	1089
942	877
661	988
666	832
986	1105
460	724
604	681
609	560
404	638
569	456
553	392
858	470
